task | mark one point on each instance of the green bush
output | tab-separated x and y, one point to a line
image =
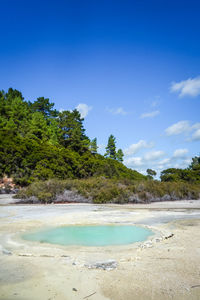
45	197
102	190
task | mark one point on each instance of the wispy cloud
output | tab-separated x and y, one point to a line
134	148
154	155
163	162
196	135
134	162
189	87
180	153
83	109
184	127
178	128
146	160
157	160
151	114
117	111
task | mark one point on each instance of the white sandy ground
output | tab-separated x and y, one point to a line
169	269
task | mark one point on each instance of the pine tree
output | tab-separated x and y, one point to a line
111	147
120	155
72	131
93	146
44	106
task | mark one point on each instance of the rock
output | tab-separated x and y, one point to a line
6	252
157	240
74	289
104	265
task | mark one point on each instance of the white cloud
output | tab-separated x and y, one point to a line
180	153
178	128
117	111
164	161
196	135
189	87
154	160
151	114
83	109
184	127
161	164
148	158
153	155
134	148
158	161
134	162
196	126
186	162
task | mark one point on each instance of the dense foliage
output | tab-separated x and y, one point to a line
38	143
104	190
191	174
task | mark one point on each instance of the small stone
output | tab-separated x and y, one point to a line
6	252
104	265
158	240
74	289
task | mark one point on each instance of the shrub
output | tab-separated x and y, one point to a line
45	197
104	190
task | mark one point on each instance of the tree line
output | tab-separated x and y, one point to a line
37	142
190	174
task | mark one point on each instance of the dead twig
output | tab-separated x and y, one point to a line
89	295
194	286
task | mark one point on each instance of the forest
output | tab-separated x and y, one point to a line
38	143
43	149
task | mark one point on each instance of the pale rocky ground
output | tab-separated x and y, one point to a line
162	270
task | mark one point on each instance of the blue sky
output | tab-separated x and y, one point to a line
132	68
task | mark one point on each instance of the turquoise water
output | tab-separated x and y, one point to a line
103	235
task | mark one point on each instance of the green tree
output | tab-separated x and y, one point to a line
120	155
44	106
93	146
151	173
72	131
195	163
111	147
171	174
11	94
38	126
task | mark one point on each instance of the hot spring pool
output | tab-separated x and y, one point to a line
94	235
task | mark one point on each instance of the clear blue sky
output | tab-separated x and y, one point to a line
131	67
